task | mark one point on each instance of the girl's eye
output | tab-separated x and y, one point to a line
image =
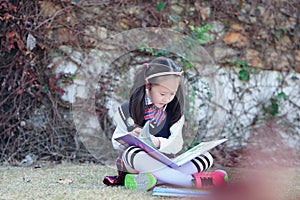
162	94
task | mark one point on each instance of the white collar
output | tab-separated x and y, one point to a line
148	101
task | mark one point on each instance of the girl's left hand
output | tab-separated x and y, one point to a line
136	132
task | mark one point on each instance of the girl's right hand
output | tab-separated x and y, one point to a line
136	132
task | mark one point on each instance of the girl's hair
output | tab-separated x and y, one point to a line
159	67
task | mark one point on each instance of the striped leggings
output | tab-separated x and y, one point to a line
136	160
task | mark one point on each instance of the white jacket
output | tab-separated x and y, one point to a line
171	145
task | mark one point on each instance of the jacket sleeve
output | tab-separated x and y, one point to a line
120	130
174	143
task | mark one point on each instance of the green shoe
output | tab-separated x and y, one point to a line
141	181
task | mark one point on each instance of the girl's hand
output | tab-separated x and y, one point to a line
155	141
136	132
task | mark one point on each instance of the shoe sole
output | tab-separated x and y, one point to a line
142	181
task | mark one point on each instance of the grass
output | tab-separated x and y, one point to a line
84	181
54	183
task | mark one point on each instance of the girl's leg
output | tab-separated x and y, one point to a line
139	160
199	164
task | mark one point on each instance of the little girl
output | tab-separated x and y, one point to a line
157	96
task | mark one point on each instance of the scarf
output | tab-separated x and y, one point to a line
152	113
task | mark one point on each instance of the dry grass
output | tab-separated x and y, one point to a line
266	183
70	181
52	183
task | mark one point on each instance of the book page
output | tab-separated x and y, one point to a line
196	151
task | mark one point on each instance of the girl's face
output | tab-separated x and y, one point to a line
164	91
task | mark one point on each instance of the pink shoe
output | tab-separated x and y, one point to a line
206	180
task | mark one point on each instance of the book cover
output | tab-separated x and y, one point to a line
131	140
178	192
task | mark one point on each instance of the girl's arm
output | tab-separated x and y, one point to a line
174	143
120	130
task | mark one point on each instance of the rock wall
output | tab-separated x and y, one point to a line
254	45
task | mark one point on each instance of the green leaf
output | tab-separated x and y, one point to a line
209	95
45	89
189	65
192	27
73	77
274	108
241	64
281	95
160	6
244	75
201	33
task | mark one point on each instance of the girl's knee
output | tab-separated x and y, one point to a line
209	159
129	155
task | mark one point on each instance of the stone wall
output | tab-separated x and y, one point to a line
254	46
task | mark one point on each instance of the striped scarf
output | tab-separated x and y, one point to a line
152	113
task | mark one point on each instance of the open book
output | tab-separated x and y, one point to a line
143	142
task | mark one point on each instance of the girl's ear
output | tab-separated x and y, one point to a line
148	93
147	85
